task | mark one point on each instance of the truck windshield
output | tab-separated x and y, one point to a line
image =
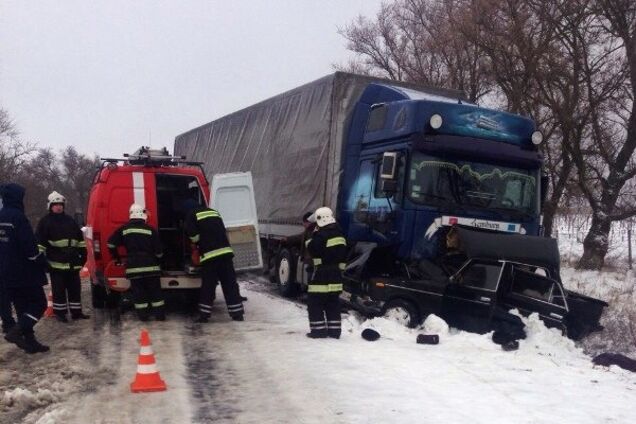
436	181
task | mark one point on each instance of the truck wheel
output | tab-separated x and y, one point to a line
286	273
403	312
98	296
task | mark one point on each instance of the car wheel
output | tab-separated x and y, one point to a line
403	312
98	296
286	273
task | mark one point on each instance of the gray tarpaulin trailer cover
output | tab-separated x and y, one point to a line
292	143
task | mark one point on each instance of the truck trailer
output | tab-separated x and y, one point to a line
401	165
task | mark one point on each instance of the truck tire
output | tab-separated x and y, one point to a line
286	273
403	312
98	296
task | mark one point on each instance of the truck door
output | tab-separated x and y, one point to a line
233	196
374	219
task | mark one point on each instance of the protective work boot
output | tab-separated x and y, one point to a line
160	316
202	318
238	317
316	335
61	317
31	345
79	315
15	336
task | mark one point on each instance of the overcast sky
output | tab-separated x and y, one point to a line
108	76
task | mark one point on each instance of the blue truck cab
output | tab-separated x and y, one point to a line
416	163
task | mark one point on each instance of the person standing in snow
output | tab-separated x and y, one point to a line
143	250
22	269
61	240
6	313
328	248
205	227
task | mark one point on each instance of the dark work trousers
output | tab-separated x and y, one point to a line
6	312
29	303
213	271
63	283
324	314
147	294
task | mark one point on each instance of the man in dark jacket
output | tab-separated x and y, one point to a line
61	240
143	250
22	269
328	249
205	227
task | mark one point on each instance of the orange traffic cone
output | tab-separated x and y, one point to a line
147	378
49	306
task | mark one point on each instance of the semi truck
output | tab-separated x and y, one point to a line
401	165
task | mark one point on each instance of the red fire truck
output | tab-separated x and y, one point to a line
160	183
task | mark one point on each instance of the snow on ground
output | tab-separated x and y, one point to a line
265	370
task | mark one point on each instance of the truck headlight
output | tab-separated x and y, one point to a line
537	138
436	121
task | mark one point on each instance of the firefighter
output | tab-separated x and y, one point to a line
143	250
61	240
22	269
328	249
205	227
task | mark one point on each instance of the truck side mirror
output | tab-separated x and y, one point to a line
388	173
545	182
389	165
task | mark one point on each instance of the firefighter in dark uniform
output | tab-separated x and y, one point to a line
22	269
61	240
205	227
143	250
328	249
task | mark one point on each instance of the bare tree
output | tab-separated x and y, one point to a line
13	151
605	160
77	171
415	41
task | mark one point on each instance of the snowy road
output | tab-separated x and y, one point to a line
266	370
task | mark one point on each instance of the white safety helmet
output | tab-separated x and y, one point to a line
137	212
324	216
54	198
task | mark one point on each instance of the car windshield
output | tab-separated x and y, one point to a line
436	181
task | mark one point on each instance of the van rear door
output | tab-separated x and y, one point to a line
233	196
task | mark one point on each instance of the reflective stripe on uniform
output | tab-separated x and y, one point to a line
216	252
59	265
81	243
77	267
307	242
112	246
207	214
41	248
342	265
157	304
60	243
137	231
336	241
317	261
324	288
235	308
141	305
195	238
143	269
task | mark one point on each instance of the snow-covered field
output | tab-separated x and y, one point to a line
265	370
